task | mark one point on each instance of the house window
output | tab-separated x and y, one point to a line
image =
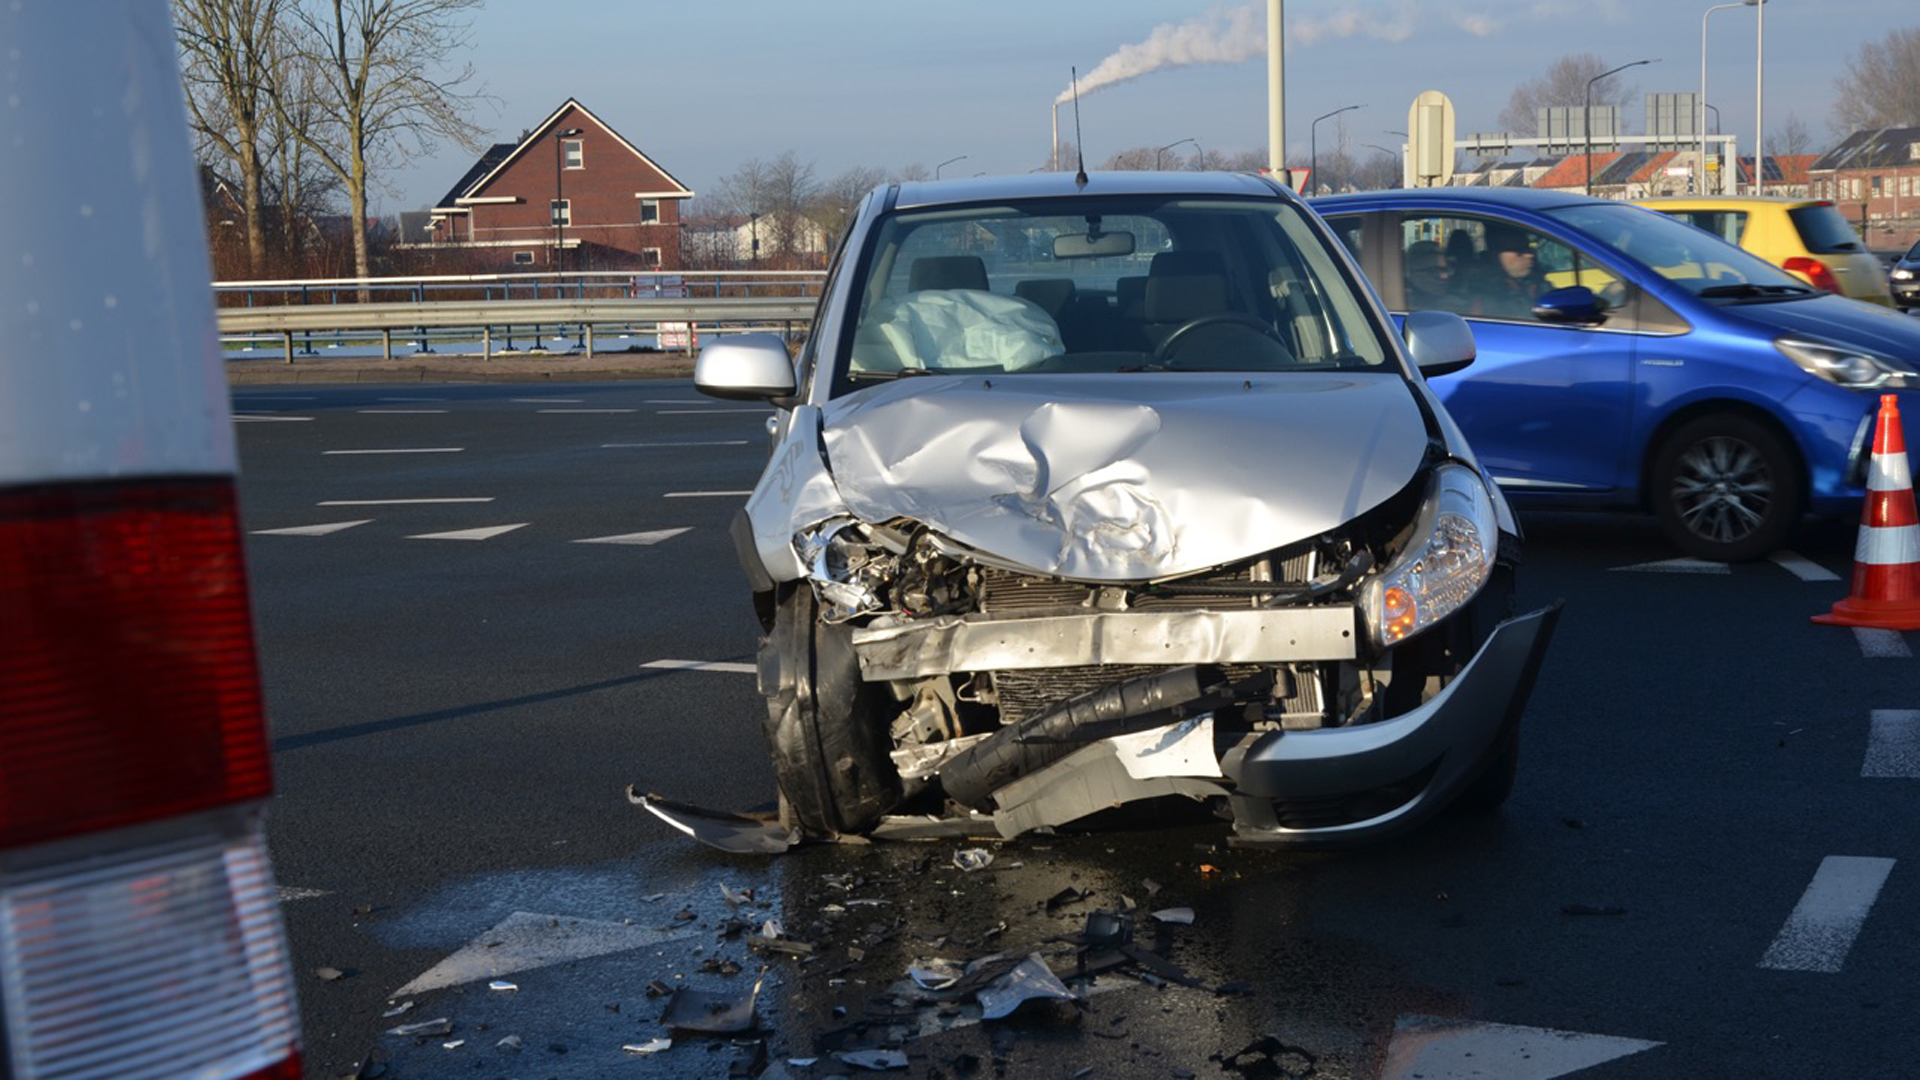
562	211
574	151
1876	187
649	211
650	257
523	258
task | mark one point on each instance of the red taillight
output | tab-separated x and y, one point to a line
1816	271
128	688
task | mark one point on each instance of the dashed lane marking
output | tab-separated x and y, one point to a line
1893	745
703	665
410	399
312	530
406	502
546	400
1802	567
664	445
1680	566
262	418
707	494
401	450
402	412
1881	644
1437	1048
576	411
641	538
1823	926
487	532
708	412
526	940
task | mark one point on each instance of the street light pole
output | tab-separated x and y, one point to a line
559	197
1703	85
1759	98
1313	144
1587	118
944	164
1169	146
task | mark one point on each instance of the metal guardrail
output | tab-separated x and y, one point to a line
414	319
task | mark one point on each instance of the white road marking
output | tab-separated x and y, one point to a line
703	665
1881	644
283	397
402	412
403	450
707	494
1437	1048
312	530
1802	567
410	399
677	401
486	532
709	412
546	400
405	502
659	445
642	538
258	418
526	940
587	410
1893	744
1680	566
288	893
1821	930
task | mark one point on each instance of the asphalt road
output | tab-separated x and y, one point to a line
1705	869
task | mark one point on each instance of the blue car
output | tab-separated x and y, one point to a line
1631	361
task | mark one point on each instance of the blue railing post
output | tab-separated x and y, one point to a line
420	297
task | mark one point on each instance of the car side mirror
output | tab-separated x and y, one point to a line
745	367
1440	342
1574	305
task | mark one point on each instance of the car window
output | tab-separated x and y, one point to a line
1481	267
1728	225
1824	230
1690	258
1105	284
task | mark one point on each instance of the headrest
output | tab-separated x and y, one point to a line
948	272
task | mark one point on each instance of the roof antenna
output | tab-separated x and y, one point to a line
1079	152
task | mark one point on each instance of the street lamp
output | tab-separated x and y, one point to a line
1169	146
944	164
1587	118
1759	98
1313	143
559	197
1703	79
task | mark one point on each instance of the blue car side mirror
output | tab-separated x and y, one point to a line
1575	304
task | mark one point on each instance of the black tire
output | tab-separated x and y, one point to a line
829	744
1726	488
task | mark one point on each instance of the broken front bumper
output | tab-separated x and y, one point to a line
1431	752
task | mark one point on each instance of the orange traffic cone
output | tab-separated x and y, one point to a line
1886	557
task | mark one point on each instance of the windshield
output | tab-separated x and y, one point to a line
1692	258
1106	284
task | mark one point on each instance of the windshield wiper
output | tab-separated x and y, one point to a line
1750	291
886	376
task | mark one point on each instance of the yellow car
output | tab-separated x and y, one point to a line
1806	237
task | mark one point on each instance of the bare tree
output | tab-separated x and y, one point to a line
838	199
1793	136
381	87
1882	85
226	49
1563	85
775	195
1130	160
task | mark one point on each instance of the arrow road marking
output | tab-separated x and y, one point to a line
1820	932
311	530
636	538
1437	1048
485	533
526	940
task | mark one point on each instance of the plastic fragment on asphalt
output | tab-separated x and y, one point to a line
502	984
1182	916
329	974
736	896
935	974
802	1063
877	1060
971	859
398	1010
440	1026
711	1013
734	833
453	1044
511	1042
651	1046
1029	980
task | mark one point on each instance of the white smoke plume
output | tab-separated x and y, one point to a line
1225	36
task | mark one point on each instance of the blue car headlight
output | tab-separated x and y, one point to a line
1845	365
1446	561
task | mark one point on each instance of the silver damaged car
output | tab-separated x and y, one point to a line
1121	489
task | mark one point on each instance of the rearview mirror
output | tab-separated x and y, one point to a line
1440	342
1574	305
1088	245
749	367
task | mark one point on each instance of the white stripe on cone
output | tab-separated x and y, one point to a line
1887	545
1889	473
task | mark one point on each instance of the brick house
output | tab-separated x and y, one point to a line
1873	176
572	194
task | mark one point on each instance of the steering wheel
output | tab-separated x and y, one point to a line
1238	318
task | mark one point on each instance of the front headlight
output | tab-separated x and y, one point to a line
1903	275
1844	365
1445	563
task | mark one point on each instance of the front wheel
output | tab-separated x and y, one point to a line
1725	488
829	744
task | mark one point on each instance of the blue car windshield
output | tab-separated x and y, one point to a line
1690	257
1107	285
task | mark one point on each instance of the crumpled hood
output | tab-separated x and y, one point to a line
1126	478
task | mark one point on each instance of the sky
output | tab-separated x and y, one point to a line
703	87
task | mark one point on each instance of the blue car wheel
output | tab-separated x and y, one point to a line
1726	488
